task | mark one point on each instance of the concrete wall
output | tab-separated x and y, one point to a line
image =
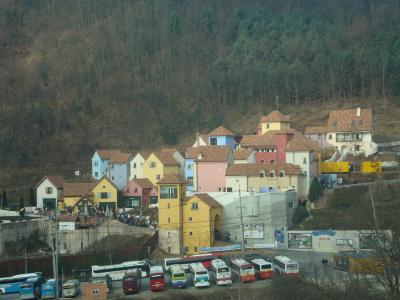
169	240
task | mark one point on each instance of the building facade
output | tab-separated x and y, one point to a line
139	192
136	165
222	137
100	162
119	169
49	191
105	193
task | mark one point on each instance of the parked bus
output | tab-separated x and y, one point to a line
131	282
283	265
200	275
30	289
220	272
205	259
71	288
243	270
263	268
157	282
118	271
12	284
49	289
178	276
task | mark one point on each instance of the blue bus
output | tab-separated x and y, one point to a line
48	289
30	289
12	284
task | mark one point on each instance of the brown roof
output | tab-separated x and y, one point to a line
207	199
221	131
317	129
120	158
298	142
107	153
143	182
77	189
242	154
57	180
172	178
208	153
275	116
145	153
254	169
166	156
255	140
347	121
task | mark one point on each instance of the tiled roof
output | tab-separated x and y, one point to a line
208	153
298	142
145	153
312	130
347	121
120	158
77	189
166	156
107	153
255	140
143	182
242	154
275	116
254	169
207	199
172	178
57	180
221	131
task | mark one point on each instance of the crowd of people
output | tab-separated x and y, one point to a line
137	220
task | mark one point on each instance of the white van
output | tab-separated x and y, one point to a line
71	288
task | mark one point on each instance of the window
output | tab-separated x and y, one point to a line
169	206
152	164
169	234
195	249
96	163
169	249
127	190
358	137
305	173
49	190
262	161
189	166
168	192
190	233
158	177
267	125
262	174
195	206
219	189
186	249
134	165
304	160
112	167
190	219
103	195
229	189
271	174
290	204
357	148
213	141
272	161
282	174
112	177
169	220
189	181
135	190
96	174
330	137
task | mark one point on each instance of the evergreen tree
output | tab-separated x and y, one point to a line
32	200
4	199
299	214
315	190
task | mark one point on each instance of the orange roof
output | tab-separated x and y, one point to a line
77	189
242	154
207	199
255	140
298	142
172	178
208	153
107	153
120	158
143	182
347	121
275	116
166	156
254	169
221	131
317	129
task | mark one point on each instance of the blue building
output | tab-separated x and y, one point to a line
189	174
119	169
222	137
100	162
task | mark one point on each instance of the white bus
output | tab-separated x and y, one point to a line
263	268
117	272
221	273
178	276
243	270
200	275
283	265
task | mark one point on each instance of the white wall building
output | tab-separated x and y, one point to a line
49	191
136	165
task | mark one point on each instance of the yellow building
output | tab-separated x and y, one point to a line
273	121
73	192
161	163
105	193
201	222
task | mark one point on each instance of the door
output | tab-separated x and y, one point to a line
49	203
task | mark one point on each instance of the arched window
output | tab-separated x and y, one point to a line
281	173
271	173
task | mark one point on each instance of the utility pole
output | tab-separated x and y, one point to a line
55	253
241	218
26	258
373	209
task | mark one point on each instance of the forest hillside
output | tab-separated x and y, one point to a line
78	75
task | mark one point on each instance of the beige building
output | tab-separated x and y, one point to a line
263	177
273	121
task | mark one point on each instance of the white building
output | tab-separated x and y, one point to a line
49	191
136	164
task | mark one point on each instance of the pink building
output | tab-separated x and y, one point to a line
317	134
139	192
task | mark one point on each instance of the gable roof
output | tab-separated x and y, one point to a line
208	153
262	140
77	189
144	153
166	156
172	178
275	116
57	180
298	142
120	158
242	154
221	131
254	169
316	129
107	153
207	199
104	178
346	120
143	182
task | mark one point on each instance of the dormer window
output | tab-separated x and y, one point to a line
271	174
282	173
262	173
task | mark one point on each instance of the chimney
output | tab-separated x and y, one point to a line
358	112
197	139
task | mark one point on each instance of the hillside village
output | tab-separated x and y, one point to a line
197	194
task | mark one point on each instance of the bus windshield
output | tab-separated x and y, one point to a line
292	266
222	270
246	267
201	273
155	276
178	275
266	266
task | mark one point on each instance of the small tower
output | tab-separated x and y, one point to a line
171	197
273	121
